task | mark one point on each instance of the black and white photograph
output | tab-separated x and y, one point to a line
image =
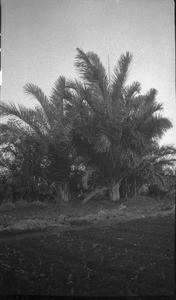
87	148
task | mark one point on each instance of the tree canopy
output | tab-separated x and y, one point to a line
104	130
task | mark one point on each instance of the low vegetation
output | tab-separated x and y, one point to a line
36	216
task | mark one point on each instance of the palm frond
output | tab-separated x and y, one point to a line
85	67
78	92
132	90
58	95
163	150
92	71
94	193
120	75
14	129
39	95
24	114
143	114
155	127
42	120
151	96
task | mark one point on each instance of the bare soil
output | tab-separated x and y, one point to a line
119	257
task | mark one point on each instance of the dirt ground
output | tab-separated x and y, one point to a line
119	258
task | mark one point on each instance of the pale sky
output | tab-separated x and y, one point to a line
39	40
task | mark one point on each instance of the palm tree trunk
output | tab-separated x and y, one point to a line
62	192
114	191
65	192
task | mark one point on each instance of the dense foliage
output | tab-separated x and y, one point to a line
94	135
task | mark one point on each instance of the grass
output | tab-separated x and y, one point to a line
38	215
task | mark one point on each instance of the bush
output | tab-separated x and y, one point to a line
22	203
156	191
8	205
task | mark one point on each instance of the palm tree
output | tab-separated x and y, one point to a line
48	130
116	127
106	126
150	170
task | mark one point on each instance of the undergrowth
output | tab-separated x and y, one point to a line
36	214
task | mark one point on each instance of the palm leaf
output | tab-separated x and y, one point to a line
96	192
120	76
58	94
38	94
25	115
151	96
132	90
93	72
155	127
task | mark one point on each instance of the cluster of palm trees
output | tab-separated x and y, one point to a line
102	135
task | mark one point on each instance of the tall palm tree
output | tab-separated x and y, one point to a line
109	126
48	128
116	126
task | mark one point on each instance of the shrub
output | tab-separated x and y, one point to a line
5	206
156	191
